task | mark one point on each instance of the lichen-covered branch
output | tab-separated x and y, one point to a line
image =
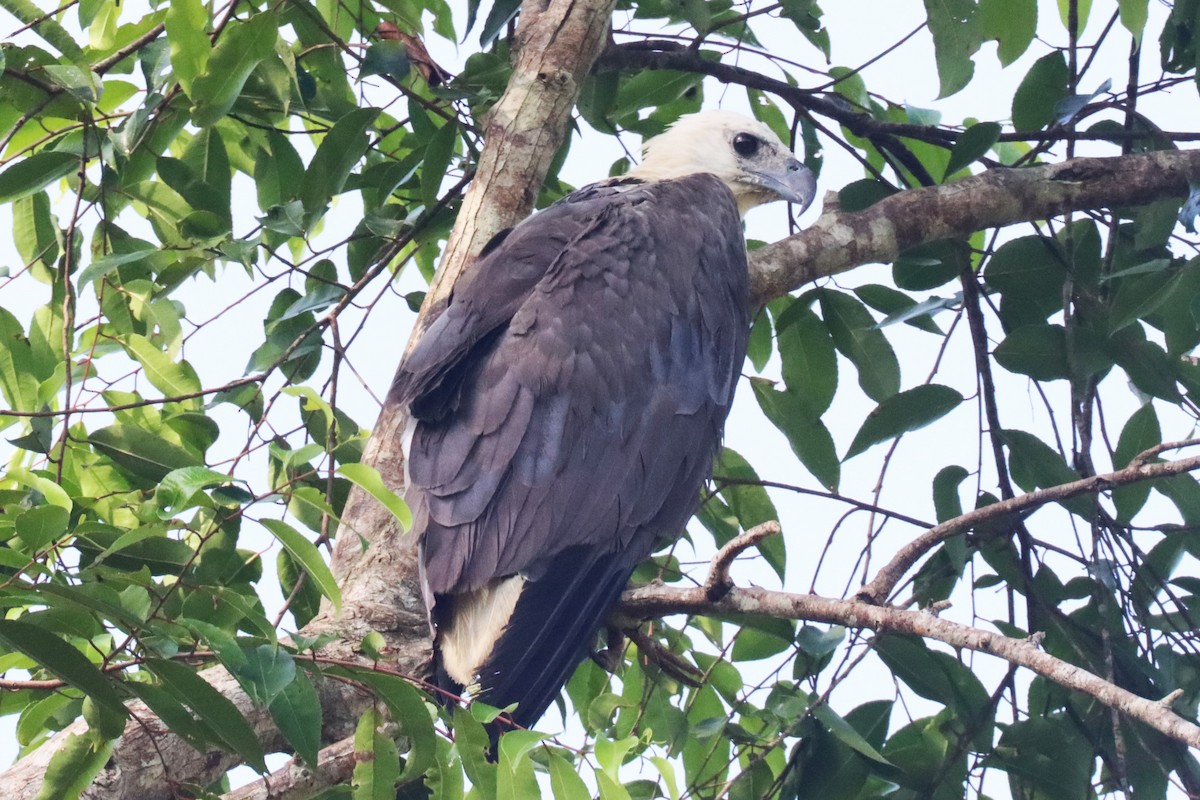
654	601
298	781
841	240
1139	470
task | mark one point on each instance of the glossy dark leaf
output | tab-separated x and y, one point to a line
336	156
809	360
808	437
1039	351
221	715
1011	23
973	144
297	711
856	337
956	36
61	660
1141	432
942	678
32	174
1042	88
1035	465
239	50
907	411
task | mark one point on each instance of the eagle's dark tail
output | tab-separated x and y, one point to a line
552	629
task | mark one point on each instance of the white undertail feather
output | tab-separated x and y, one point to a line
478	620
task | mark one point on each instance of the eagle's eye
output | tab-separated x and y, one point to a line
746	144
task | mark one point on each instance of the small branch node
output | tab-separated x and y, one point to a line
1036	638
1171	697
937	608
718	583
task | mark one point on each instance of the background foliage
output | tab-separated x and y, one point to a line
155	488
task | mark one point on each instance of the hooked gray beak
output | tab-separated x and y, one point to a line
795	183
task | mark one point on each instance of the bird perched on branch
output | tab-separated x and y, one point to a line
567	404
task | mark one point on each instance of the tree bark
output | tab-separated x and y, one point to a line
841	240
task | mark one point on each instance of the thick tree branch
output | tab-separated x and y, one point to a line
658	54
841	240
298	781
890	574
655	601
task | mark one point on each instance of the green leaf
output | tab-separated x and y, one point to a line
565	782
171	711
498	17
946	502
471	741
173	379
1029	273
753	645
1083	9
367	478
1035	465
32	174
74	765
904	412
388	58
1039	351
956	37
309	557
336	156
217	711
1141	432
42	525
809	362
899	307
856	337
809	438
515	779
758	348
436	164
140	452
410	712
1040	91
942	678
973	144
650	88
34	232
53	654
186	21
177	488
239	50
264	671
278	174
1012	23
1139	295
297	712
377	765
845	733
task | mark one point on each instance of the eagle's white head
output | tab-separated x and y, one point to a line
744	153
